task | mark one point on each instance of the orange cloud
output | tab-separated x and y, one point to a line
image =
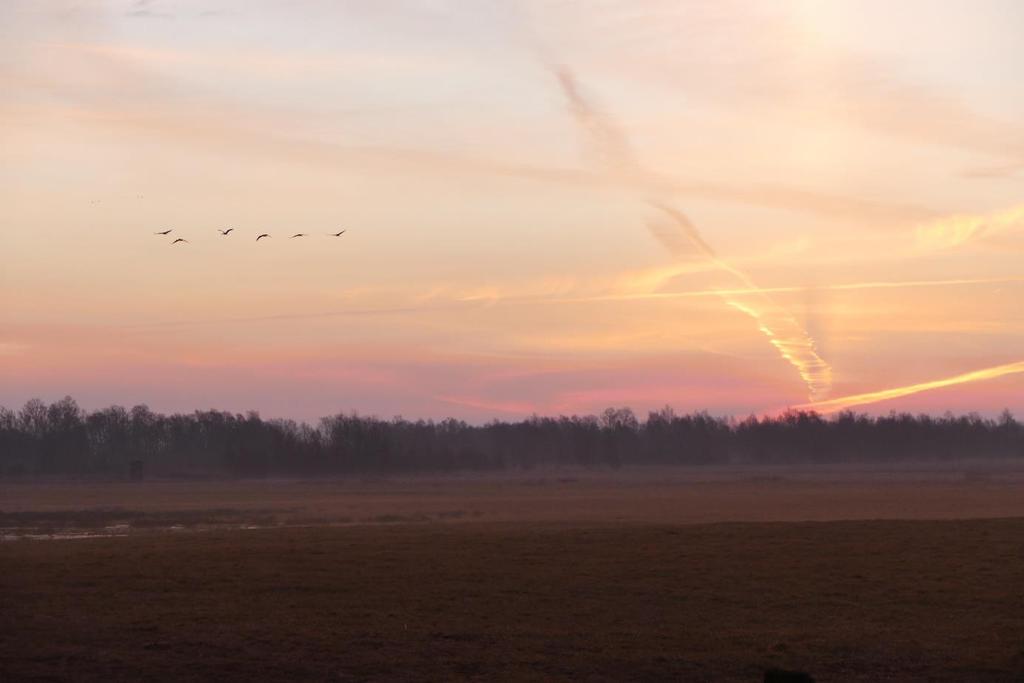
955	231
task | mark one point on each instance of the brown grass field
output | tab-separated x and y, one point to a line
850	574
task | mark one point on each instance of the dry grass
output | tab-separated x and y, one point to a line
848	601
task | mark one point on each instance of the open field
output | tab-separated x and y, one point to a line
848	601
648	495
643	574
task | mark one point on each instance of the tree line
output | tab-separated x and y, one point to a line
62	439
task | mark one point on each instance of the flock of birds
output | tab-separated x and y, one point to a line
228	231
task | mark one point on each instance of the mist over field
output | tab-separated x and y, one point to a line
61	439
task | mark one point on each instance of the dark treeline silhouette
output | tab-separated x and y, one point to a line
62	439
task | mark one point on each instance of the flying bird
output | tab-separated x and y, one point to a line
337	234
165	232
224	232
180	240
262	236
298	234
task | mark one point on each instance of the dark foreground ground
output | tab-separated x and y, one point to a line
846	601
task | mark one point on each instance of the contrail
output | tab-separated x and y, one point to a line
842	287
780	327
460	301
842	403
680	236
610	143
346	312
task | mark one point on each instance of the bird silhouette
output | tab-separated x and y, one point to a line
180	240
337	234
165	232
224	232
298	234
262	236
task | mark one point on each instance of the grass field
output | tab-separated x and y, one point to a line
648	495
601	579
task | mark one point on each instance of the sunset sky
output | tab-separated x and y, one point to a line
552	206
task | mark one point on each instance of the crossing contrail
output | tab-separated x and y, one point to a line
680	237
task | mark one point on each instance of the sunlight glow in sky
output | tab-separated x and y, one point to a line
552	206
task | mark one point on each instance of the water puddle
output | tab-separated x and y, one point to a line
7	535
121	530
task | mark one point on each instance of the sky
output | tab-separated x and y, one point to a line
551	206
